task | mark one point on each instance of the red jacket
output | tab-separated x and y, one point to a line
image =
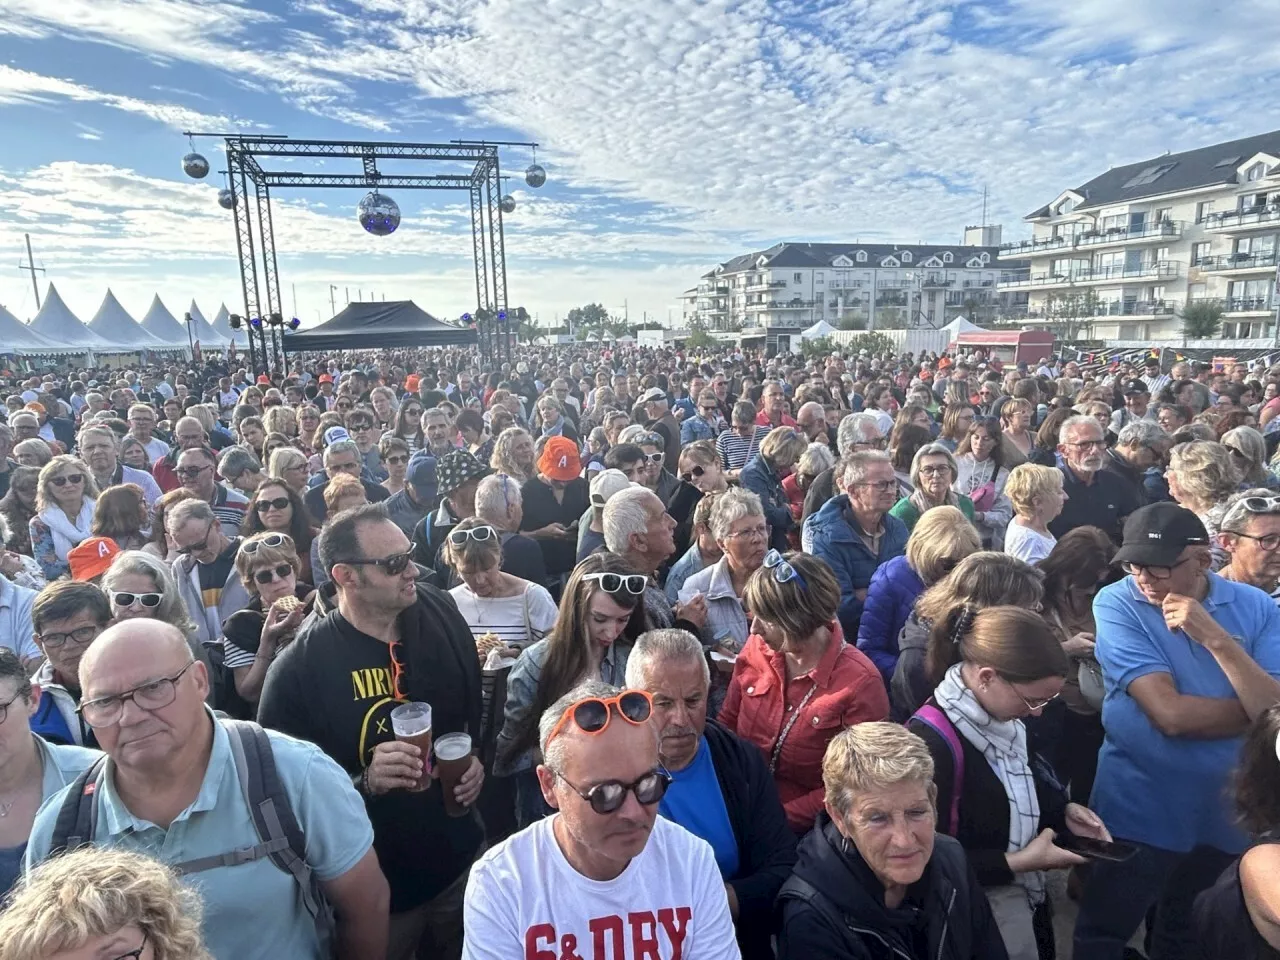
762	420
849	690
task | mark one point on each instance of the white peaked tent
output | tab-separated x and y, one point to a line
203	331
55	322
112	322
16	337
162	325
222	325
818	330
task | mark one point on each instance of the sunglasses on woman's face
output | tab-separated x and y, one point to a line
396	460
148	600
695	473
66	478
278	572
276	503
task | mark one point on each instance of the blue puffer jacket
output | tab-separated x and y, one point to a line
827	534
890	598
759	477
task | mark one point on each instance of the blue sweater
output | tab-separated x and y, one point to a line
827	534
890	599
759	477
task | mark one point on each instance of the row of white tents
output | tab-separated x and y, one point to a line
55	330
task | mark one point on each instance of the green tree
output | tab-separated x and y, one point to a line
699	338
874	343
591	318
1201	319
818	347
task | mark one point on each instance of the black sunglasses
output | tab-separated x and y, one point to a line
278	572
68	478
276	503
634	583
695	472
608	797
394	566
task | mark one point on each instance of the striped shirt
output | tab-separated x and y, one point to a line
517	621
229	507
735	450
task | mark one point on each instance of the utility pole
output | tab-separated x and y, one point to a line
346	292
31	266
333	307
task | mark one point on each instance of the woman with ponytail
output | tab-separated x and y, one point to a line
993	668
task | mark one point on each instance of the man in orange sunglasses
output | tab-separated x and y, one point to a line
604	876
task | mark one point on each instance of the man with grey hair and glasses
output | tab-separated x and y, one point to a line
1095	497
721	788
1141	449
857	431
1250	533
604	875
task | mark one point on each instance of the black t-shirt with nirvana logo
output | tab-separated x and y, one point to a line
332	686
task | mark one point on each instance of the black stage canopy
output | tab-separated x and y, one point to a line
373	326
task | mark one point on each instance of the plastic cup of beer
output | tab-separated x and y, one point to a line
411	723
453	759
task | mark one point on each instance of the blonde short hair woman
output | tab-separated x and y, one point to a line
1202	477
100	901
1037	497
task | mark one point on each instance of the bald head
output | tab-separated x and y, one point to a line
147	644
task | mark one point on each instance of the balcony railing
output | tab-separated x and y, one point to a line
1157	269
1237	261
777	305
1111	308
978	283
1154	229
1247	305
929	283
1235	219
761	286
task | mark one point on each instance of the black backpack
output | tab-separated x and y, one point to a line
280	835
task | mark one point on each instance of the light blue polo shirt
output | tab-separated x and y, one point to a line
254	909
1171	792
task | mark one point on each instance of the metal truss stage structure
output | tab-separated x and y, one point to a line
251	183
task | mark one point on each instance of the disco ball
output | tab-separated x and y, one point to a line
379	214
195	166
507	204
226	199
535	176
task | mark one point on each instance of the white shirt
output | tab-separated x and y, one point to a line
525	900
156	449
1027	544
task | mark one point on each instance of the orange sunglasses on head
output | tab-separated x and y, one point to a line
592	715
397	675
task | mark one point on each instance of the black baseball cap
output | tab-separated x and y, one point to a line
1155	535
1135	386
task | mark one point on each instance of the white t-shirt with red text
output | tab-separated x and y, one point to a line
526	902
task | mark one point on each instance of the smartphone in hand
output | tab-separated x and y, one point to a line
1114	851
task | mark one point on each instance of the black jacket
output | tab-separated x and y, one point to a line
984	805
833	907
314	498
766	845
1223	928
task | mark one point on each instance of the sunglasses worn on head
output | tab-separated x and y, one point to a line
276	503
278	572
592	715
479	534
63	480
633	583
783	572
148	600
250	547
394	566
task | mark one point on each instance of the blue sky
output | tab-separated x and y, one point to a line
675	133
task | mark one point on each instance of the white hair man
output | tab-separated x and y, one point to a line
709	761
857	431
1097	497
605	872
500	504
1142	446
142	424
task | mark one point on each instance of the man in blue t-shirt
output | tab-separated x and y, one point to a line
1189	660
722	790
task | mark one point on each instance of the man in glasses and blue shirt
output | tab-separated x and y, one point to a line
1250	533
605	876
1189	660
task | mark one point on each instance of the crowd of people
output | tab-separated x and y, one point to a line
622	653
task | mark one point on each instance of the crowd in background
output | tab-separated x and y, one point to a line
827	656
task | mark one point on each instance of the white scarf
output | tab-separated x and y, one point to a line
66	534
1003	744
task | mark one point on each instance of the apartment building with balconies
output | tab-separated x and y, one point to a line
791	286
1119	257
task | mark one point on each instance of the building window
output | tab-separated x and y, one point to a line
1199	252
1196	291
1066	206
1163	213
1150	175
1162	253
906	256
795	278
1256	172
1203	210
946	256
817	277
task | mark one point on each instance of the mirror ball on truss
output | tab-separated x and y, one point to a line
534	175
378	213
195	166
226	199
508	204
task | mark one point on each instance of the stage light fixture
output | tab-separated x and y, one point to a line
295	323
275	320
235	320
255	322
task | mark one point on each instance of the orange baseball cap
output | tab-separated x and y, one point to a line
559	460
91	557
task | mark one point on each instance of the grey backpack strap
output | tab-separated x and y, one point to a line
78	816
280	835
